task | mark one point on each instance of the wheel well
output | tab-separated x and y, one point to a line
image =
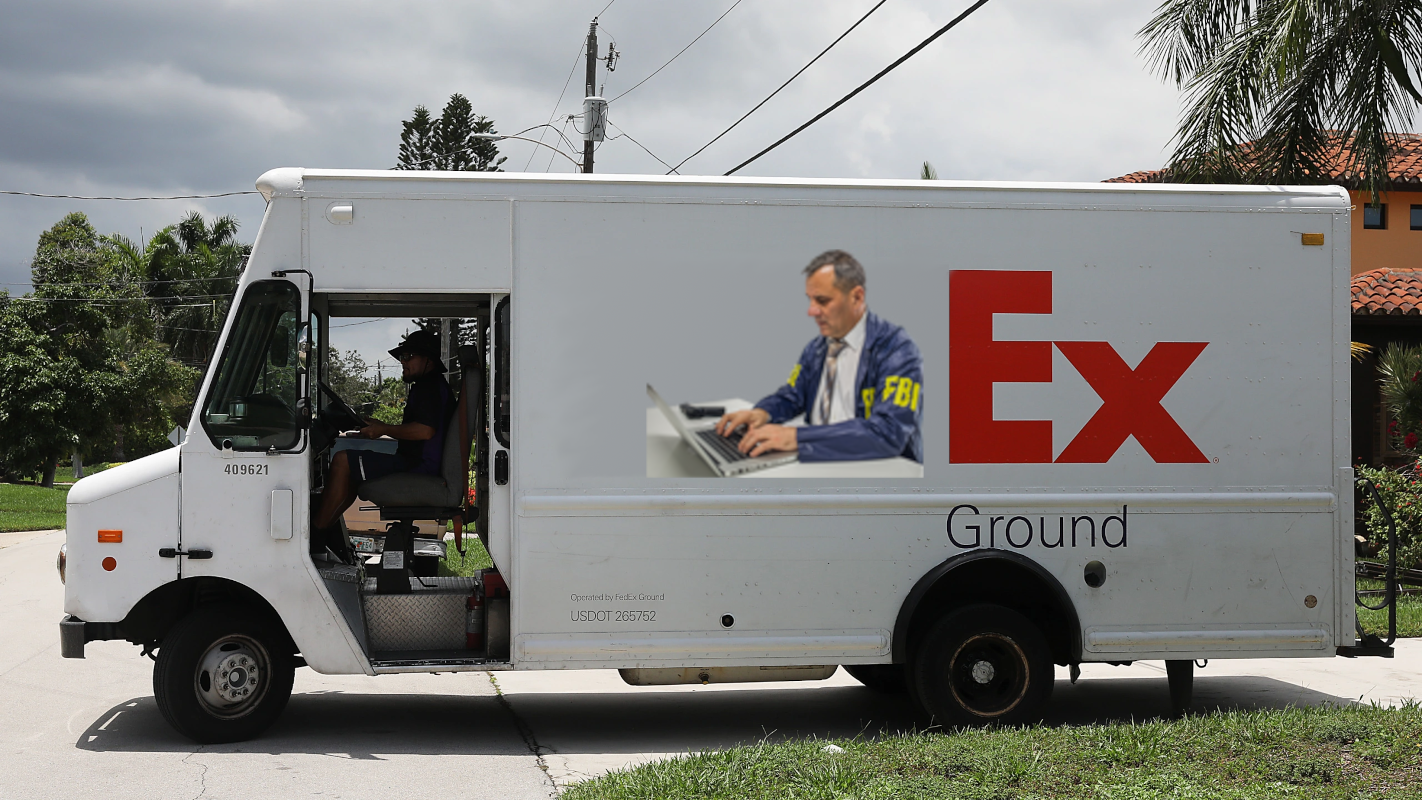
990	576
149	621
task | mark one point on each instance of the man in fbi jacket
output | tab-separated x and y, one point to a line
859	383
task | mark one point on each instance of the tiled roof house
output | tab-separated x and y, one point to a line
1386	235
1388	293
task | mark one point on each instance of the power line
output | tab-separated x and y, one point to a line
644	148
119	300
678	54
557	103
483	137
885	71
137	282
782	86
169	197
561	133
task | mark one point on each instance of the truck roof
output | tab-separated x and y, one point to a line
299	181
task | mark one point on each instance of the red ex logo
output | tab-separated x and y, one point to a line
1130	399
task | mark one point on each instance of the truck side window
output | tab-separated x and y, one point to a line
252	401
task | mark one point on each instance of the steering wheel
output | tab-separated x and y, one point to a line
341	415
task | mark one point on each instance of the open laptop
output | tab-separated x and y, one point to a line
719	452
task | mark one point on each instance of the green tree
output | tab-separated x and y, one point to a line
417	141
448	142
1277	90
349	376
77	361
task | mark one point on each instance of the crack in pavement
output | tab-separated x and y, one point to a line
526	733
202	776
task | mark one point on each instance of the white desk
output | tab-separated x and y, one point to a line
669	457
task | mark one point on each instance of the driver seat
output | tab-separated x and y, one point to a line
405	497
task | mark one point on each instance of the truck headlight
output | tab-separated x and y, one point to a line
62	560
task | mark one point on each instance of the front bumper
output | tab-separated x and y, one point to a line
74	633
71	637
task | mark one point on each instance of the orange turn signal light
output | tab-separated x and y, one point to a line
110	537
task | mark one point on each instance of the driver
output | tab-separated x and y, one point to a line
420	434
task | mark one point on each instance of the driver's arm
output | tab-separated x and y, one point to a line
407	432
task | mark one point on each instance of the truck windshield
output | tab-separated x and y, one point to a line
252	401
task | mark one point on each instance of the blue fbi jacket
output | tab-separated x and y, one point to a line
888	405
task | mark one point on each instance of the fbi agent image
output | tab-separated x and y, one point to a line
859	383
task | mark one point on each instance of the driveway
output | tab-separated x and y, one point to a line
72	727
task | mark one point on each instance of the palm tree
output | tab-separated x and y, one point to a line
192	272
1277	90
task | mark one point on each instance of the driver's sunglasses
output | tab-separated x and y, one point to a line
403	357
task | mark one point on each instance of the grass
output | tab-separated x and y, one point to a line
25	507
474	559
1318	754
1409	613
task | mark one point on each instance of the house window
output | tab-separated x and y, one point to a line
1416	218
1375	216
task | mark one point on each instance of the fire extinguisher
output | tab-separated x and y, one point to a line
474	619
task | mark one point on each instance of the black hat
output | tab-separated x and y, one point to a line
420	343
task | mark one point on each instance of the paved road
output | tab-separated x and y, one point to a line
71	727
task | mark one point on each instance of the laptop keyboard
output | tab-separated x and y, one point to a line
723	446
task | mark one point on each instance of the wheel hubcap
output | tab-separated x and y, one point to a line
983	672
232	676
989	675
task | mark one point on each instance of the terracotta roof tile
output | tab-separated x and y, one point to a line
1404	167
1388	292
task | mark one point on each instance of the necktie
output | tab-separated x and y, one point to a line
831	370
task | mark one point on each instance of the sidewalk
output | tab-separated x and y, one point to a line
10	538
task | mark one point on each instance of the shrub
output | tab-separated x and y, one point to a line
1401	490
1401	369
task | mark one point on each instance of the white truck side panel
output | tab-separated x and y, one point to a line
705	304
694	287
389	243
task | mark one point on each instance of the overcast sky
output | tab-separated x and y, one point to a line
137	97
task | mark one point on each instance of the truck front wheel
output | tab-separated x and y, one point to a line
222	675
983	664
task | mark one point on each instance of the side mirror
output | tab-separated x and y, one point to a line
303	347
281	341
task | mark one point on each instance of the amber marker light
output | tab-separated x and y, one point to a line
110	537
109	564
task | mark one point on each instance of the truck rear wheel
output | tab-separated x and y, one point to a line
883	678
222	675
983	664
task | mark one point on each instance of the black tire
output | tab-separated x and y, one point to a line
223	675
983	665
882	678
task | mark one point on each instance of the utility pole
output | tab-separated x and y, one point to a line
592	91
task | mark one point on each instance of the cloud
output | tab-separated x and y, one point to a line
159	96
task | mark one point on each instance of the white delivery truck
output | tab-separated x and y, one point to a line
1130	403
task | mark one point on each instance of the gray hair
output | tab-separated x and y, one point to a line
848	272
